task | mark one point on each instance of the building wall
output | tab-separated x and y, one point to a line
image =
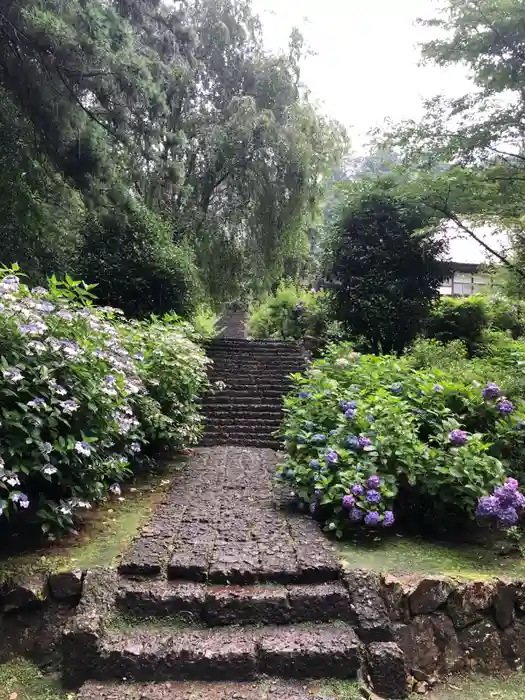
463	284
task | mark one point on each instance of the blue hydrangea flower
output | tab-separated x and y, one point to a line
305	394
352	442
491	391
83	448
355	515
345	405
318	439
388	518
505	495
396	388
315	464
370	418
373	496
357	490
373	482
332	457
115	489
36	403
458	437
350	413
372	518
505	406
313	507
348	501
21	499
437	388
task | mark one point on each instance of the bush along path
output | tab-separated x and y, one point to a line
227	587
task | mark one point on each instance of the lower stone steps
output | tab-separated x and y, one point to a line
263	690
235	605
165	653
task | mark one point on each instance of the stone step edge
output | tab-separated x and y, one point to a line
298	651
220	605
277	689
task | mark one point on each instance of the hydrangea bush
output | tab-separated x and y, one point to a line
85	397
361	430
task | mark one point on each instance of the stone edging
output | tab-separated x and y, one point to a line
33	590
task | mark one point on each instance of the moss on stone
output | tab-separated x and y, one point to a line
22	680
106	533
408	555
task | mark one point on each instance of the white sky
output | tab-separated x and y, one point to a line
366	68
366	63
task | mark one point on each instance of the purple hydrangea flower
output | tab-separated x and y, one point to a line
505	406
357	490
21	499
488	507
437	388
345	405
505	495
458	437
332	457
520	500
348	501
388	518
138	356
508	516
315	464
364	442
491	391
373	482
512	483
36	403
372	518
355	515
313	507
373	496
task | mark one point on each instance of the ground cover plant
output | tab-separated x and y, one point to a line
86	398
373	438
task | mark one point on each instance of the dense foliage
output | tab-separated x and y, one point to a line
86	397
372	438
292	313
177	108
387	271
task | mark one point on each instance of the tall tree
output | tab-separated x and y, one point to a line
388	268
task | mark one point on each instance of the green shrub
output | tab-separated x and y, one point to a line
459	319
206	322
86	397
434	440
131	256
291	313
506	315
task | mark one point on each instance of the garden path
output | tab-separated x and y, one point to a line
224	522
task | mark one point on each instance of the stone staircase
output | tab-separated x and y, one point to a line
255	375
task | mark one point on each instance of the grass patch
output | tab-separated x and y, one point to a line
339	690
410	555
105	533
481	688
22	680
131	623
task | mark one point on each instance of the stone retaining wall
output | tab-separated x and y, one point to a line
34	590
444	626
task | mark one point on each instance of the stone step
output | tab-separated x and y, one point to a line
263	690
247	392
239	345
214	440
251	404
253	412
241	424
222	654
209	605
256	386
